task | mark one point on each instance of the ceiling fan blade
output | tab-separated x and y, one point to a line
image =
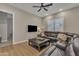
45	9
35	6
42	4
39	10
48	5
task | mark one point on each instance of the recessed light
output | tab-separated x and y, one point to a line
60	9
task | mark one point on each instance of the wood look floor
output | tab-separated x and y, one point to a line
22	49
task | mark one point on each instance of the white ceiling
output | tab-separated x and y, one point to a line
52	9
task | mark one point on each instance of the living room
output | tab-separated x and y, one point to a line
34	24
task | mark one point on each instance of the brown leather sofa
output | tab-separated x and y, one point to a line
71	49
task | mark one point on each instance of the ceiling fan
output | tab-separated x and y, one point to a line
43	6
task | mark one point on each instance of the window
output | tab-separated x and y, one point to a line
56	24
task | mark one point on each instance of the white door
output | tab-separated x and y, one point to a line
3	32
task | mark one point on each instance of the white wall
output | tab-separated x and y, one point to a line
71	20
21	20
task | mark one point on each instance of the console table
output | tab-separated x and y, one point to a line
38	42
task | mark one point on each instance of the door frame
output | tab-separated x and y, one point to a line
12	13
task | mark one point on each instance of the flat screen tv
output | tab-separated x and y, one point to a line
32	28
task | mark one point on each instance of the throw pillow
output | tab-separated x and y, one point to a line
62	37
42	34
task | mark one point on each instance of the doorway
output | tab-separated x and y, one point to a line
6	29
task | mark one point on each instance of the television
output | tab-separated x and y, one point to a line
32	28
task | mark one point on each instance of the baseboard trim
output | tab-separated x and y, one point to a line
3	40
19	42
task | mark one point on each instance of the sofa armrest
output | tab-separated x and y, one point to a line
69	50
60	45
48	52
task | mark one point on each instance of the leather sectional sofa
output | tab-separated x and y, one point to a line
71	49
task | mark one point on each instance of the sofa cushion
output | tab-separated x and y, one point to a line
53	35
